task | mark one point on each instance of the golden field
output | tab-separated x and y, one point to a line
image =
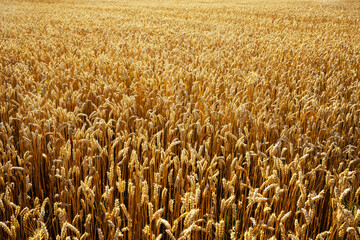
180	119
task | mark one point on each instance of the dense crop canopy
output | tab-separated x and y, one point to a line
180	119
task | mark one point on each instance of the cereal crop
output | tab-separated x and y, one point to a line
206	119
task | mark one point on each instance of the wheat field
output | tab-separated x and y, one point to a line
235	119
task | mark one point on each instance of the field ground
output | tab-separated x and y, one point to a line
180	119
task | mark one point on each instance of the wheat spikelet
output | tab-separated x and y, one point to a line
188	221
118	234
2	206
127	215
28	185
357	193
14	224
151	210
344	193
322	235
145	193
63	230
171	205
158	213
293	237
342	229
306	215
285	217
220	230
169	233
165	222
159	237
100	233
42	209
6	229
44	231
271	219
357	215
268	188
352	231
146	230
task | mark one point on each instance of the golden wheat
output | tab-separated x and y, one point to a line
180	119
